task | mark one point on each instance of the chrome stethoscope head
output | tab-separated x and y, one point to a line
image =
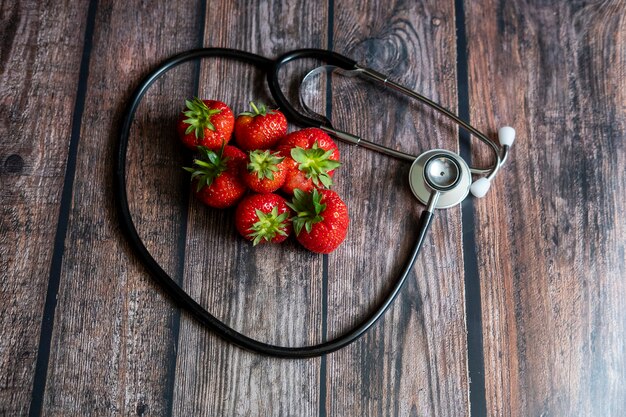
441	179
442	172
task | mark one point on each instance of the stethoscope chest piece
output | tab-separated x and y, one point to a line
442	171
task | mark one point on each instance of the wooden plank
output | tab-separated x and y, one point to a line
115	338
272	293
39	70
414	361
550	234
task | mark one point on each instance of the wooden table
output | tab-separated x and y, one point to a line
516	304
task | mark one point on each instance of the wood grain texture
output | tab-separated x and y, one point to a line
414	361
39	66
552	260
550	235
271	293
113	342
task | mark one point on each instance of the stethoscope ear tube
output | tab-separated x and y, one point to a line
175	291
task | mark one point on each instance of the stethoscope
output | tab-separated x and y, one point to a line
438	178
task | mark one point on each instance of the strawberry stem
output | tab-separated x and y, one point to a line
199	117
308	208
255	108
260	110
315	163
268	226
264	163
208	166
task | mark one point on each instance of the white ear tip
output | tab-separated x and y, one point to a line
506	135
480	187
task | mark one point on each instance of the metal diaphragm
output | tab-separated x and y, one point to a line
443	171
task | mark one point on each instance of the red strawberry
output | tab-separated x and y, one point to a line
321	220
216	176
259	129
207	123
314	157
266	171
263	218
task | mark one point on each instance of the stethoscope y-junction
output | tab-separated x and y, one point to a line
438	178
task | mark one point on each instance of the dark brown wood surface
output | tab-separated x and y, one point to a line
553	275
516	303
39	73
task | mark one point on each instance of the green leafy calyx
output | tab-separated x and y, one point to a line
208	166
308	208
257	110
268	226
199	117
315	163
264	163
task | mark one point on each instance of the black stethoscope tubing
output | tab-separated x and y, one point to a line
171	287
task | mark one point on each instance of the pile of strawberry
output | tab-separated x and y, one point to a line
266	167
